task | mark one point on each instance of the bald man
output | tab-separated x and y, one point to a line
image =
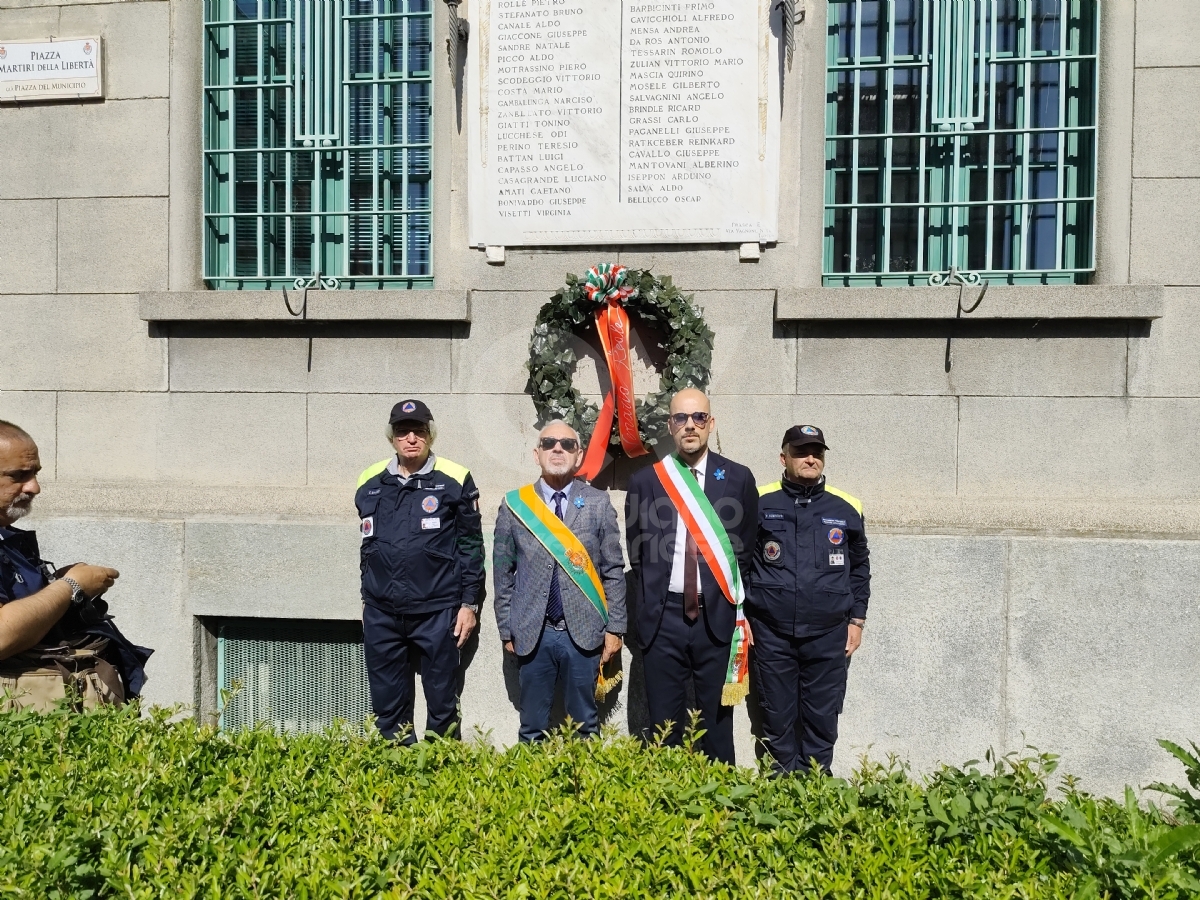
30	603
685	623
55	638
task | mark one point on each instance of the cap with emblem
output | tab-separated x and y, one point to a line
799	435
410	410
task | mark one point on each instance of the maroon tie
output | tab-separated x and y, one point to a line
691	572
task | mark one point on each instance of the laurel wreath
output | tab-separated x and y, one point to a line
671	315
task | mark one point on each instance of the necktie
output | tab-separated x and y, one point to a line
691	572
554	607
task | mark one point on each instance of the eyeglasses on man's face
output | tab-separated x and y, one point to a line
568	444
403	431
678	420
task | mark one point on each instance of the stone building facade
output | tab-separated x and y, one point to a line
1034	508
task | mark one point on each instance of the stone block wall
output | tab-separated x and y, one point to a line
1034	510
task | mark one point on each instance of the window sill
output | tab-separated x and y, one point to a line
323	306
1115	301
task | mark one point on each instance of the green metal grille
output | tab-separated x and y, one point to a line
317	143
296	676
960	134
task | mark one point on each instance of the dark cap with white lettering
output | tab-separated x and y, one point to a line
410	411
799	435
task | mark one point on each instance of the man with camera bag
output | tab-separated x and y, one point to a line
55	634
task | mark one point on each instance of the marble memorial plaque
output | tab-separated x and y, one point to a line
623	121
67	69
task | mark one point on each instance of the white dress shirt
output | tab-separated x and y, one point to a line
676	584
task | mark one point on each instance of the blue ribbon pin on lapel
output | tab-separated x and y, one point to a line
719	474
578	502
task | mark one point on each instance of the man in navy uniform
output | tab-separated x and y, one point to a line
685	624
807	602
422	572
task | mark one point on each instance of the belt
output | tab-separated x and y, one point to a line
560	625
676	599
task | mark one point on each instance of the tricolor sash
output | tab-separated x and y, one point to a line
706	528
553	534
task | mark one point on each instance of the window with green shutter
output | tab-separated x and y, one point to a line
960	134
317	143
292	675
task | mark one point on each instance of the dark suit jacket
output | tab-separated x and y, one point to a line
650	523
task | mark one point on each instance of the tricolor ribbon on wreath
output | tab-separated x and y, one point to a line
606	283
707	529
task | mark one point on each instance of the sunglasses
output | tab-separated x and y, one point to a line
402	431
678	420
568	444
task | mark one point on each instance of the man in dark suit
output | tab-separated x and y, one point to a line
560	584
685	623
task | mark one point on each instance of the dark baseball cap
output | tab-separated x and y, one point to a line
804	434
410	410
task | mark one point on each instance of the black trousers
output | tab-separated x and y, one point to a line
801	685
390	644
683	651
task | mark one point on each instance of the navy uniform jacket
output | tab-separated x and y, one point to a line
422	548
650	522
23	572
812	569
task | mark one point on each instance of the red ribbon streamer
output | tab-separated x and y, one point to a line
612	323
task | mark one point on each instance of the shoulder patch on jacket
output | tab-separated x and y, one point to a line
451	469
853	501
764	489
371	471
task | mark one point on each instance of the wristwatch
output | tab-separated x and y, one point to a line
473	607
861	623
77	594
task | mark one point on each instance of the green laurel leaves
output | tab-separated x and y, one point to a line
672	317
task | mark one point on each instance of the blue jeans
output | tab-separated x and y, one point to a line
557	657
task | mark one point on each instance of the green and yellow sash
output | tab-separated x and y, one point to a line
553	534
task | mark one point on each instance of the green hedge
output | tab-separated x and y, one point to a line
110	805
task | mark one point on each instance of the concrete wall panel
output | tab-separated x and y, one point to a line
112	245
1165	247
752	352
117	148
137	45
1166	31
147	599
28	21
37	413
409	359
274	570
251	439
1102	657
1000	359
1166	142
1166	363
913	688
99	344
28	246
1079	448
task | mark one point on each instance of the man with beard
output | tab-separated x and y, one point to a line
560	584
39	641
690	524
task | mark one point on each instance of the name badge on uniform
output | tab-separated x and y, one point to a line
368	527
837	558
433	523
